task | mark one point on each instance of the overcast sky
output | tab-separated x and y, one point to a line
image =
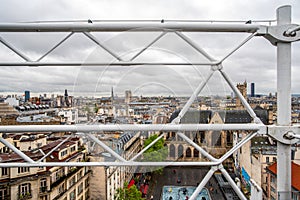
254	62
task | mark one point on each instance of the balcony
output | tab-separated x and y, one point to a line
24	196
43	189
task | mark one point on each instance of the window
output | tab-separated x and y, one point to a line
3	194
25	189
267	159
5	149
43	185
73	195
273	198
63	153
57	175
72	181
216	138
61	188
294	196
273	179
86	183
23	170
45	197
87	194
86	169
5	171
73	148
79	175
80	188
273	189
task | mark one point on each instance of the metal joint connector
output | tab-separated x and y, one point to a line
282	33
291	135
292	31
216	67
284	134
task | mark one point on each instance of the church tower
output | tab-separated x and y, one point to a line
242	87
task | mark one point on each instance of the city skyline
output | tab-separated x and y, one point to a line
244	64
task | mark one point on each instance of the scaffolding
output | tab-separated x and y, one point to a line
280	35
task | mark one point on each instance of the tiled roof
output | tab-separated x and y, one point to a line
194	116
229	116
242	116
295	174
13	157
50	146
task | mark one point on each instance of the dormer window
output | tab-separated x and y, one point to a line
23	170
73	148
63	153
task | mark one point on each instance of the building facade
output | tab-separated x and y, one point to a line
46	183
272	193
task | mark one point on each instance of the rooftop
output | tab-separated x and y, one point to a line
295	174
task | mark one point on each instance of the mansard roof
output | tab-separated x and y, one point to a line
228	116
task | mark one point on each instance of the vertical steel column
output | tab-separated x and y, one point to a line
284	105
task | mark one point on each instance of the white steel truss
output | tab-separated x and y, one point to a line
282	35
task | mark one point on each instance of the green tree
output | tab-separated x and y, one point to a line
87	109
96	108
156	153
126	193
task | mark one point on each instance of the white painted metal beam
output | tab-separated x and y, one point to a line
55	46
117	164
193	97
106	148
129	127
127	26
284	179
116	63
203	182
148	46
147	147
96	41
233	185
241	97
17	151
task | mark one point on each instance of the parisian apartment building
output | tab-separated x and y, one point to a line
44	183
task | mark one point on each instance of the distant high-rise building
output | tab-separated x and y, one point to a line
67	98
27	95
252	89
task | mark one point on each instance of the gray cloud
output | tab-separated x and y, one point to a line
254	62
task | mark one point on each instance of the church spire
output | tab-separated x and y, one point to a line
112	93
